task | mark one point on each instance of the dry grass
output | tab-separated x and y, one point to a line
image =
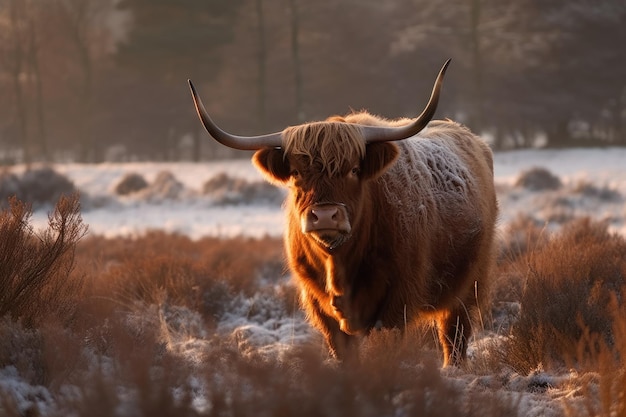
144	303
566	293
605	395
115	356
140	267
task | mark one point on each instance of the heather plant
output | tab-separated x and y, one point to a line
538	179
167	325
140	266
44	185
602	193
605	389
224	189
9	186
567	287
164	186
36	277
38	186
130	183
161	276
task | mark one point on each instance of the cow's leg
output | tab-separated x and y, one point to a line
342	346
455	329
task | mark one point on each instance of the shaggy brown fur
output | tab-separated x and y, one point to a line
310	140
422	213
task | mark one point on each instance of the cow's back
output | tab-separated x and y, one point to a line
441	194
440	176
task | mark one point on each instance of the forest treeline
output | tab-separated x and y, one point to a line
94	80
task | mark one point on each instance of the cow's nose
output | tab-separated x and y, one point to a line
323	217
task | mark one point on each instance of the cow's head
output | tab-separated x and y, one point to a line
325	164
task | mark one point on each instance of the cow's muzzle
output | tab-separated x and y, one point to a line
327	223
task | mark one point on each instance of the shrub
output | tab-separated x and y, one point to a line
225	190
21	348
605	391
35	270
203	275
392	380
538	179
127	352
222	183
44	186
130	183
165	185
521	236
590	190
38	186
9	187
568	285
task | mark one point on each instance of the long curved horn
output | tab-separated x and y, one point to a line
386	134
244	143
370	133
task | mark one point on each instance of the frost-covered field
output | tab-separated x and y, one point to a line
193	214
593	184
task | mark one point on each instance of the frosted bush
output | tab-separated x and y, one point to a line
538	179
226	190
130	183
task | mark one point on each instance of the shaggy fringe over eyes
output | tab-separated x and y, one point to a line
332	144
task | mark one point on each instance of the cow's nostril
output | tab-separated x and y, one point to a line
325	217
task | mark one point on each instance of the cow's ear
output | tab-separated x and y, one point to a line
378	157
272	164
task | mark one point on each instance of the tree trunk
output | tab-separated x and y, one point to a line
16	75
295	53
261	57
619	126
477	115
39	108
558	136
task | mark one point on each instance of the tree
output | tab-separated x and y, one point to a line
84	31
261	64
582	73
170	41
52	51
295	55
17	45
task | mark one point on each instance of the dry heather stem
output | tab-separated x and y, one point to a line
35	269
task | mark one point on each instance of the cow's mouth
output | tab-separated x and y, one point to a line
330	239
327	223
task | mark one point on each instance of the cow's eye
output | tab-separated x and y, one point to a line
295	173
356	171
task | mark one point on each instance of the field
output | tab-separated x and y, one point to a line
173	299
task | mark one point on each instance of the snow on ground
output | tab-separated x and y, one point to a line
196	216
603	168
270	330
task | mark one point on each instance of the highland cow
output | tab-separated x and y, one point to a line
388	222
